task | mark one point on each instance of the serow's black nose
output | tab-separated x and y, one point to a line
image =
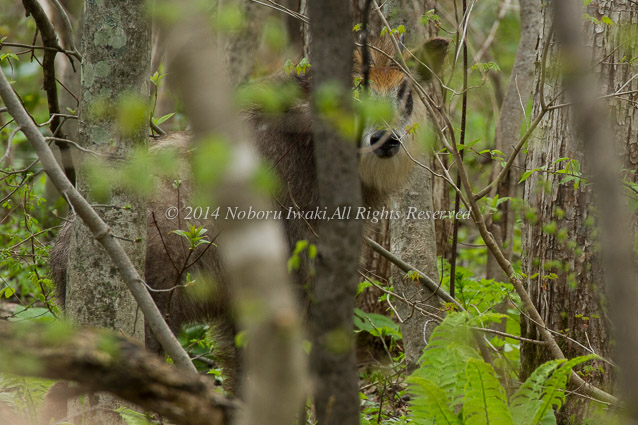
385	144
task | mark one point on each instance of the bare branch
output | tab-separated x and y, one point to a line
427	281
492	34
278	7
32	47
49	39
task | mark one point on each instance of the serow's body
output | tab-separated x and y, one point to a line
285	141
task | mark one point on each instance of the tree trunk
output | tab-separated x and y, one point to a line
116	59
508	130
332	304
562	260
603	167
414	240
242	45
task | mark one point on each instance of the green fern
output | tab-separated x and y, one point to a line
485	400
455	386
486	319
554	391
430	404
526	401
443	362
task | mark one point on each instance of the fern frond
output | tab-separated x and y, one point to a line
485	400
430	404
444	359
526	403
554	392
485	319
544	390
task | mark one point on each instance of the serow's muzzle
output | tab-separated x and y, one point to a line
385	143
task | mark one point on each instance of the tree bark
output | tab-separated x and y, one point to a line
332	304
508	130
242	46
414	241
617	257
562	259
116	60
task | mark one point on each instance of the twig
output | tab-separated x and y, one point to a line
492	34
512	158
7	153
607	96
413	304
59	140
67	26
506	335
50	39
156	128
457	195
136	375
271	4
31	47
427	281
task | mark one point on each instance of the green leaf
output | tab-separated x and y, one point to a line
293	263
302	67
376	324
10	56
430	16
7	292
161	120
362	287
588	17
312	251
38	314
444	359
289	67
194	235
527	174
559	160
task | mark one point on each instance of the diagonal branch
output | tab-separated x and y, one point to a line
98	227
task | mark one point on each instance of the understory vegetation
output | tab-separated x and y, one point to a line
474	369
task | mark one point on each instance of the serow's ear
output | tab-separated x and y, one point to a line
432	53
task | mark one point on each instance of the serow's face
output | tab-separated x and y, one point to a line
388	143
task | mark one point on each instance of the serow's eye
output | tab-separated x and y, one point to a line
405	97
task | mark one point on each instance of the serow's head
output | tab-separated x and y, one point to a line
388	143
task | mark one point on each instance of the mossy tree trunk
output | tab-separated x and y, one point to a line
115	73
